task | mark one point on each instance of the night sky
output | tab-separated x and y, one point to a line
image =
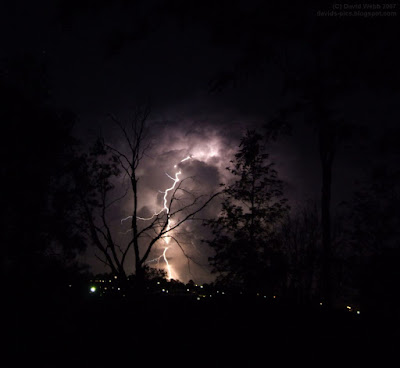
107	57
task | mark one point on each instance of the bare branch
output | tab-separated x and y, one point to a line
103	261
119	124
119	155
192	214
118	199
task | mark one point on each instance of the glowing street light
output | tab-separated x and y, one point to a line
93	289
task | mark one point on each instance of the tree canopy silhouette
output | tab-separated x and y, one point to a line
244	233
36	150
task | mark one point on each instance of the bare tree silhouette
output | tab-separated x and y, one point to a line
95	187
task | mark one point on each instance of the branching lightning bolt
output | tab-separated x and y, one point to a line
166	209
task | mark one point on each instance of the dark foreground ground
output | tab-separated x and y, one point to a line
174	332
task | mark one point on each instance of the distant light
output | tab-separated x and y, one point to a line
115	277
348	307
201	286
320	303
274	296
187	289
69	285
198	298
92	289
119	288
163	290
223	293
158	282
265	297
358	312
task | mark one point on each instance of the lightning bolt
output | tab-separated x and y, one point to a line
157	259
166	209
166	262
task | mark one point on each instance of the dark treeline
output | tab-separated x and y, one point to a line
38	239
261	245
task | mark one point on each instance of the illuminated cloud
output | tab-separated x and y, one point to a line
210	147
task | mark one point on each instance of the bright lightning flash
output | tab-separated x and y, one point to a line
166	262
157	259
166	209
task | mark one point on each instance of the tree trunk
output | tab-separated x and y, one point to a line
326	140
326	156
139	281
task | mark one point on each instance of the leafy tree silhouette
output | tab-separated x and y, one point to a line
244	233
36	149
319	65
